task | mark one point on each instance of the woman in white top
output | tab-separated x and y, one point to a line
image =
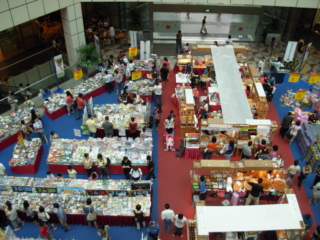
204	110
315	194
294	131
136	173
137	99
12	215
169	124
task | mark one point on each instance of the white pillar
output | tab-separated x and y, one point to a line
73	29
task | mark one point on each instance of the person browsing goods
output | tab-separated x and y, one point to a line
255	192
293	170
167	216
203	189
108	127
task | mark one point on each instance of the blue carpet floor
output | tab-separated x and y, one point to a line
64	128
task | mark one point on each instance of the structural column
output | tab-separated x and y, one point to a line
73	28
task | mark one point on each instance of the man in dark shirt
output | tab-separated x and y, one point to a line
285	124
108	128
126	166
204	25
164	75
313	118
195	80
151	169
255	192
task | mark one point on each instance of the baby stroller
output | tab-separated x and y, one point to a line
169	142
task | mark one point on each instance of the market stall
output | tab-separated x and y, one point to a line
65	152
188	119
26	157
72	194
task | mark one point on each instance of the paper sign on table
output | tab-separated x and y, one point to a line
77	132
136	75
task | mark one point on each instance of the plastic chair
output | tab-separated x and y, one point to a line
124	42
106	42
125	32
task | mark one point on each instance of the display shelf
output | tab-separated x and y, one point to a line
184	59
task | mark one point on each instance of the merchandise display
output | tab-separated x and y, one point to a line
141	87
26	153
66	151
57	101
120	114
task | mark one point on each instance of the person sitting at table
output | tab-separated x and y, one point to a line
204	110
137	99
46	94
262	145
34	115
121	56
195	80
123	98
313	118
28	102
53	136
94	176
262	154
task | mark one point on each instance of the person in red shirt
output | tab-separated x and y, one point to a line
44	231
248	90
69	101
132	128
313	118
80	106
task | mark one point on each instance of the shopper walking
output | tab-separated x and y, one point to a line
279	160
203	189
167	215
136	173
103	165
91	124
87	163
166	61
139	217
62	216
158	92
179	223
12	215
179	42
203	26
44	231
72	172
69	102
154	230
285	124
207	153
157	115
39	130
169	124
229	151
108	80
118	79
164	72
29	212
291	135
293	170
316	179
246	151
90	213
107	127
103	232
133	128
80	103
126	166
274	151
304	174
151	169
261	63
255	192
315	194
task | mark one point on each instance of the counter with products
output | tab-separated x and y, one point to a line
26	157
65	152
143	88
113	200
188	119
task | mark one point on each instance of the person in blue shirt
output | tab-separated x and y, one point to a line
229	151
46	94
271	79
154	230
307	219
62	216
203	189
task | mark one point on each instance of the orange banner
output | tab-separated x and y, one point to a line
294	77
136	75
314	78
133	51
300	94
77	74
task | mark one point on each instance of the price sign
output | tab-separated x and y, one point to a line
97	192
294	77
3	188
136	75
140	192
314	78
46	190
21	189
300	94
133	51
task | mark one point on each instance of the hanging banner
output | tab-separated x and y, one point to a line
77	74
314	78
300	94
133	51
294	77
97	43
305	56
290	50
58	64
136	75
133	38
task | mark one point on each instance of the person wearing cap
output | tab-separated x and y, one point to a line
285	124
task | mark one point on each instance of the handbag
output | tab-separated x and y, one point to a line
91	216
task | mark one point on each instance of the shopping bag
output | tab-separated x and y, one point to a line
91	216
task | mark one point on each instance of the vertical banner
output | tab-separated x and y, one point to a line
144	50
300	94
133	51
305	56
136	75
314	78
58	64
97	43
77	74
133	38
290	50
294	77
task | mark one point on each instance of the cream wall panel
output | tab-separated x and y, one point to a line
69	27
219	1
80	27
72	56
65	3
20	15
68	13
308	3
82	39
242	2
50	6
15	3
4	5
78	10
176	1
75	41
264	2
6	20
68	39
36	9
78	1
286	3
198	1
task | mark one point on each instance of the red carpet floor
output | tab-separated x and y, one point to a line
174	174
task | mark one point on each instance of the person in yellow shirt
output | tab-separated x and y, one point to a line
103	165
91	124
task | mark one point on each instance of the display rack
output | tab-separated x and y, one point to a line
307	136
188	119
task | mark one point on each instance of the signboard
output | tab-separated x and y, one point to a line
314	78
58	64
294	77
96	192
46	190
77	132
139	192
290	50
305	56
136	75
72	190
300	94
77	74
117	193
207	10
133	51
21	189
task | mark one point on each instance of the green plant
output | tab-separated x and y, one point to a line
135	20
274	26
89	56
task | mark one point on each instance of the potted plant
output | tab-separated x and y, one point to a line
89	58
136	22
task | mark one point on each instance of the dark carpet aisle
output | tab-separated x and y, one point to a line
64	128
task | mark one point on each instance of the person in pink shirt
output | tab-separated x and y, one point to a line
273	153
165	60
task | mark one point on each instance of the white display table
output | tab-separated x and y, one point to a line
183	79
